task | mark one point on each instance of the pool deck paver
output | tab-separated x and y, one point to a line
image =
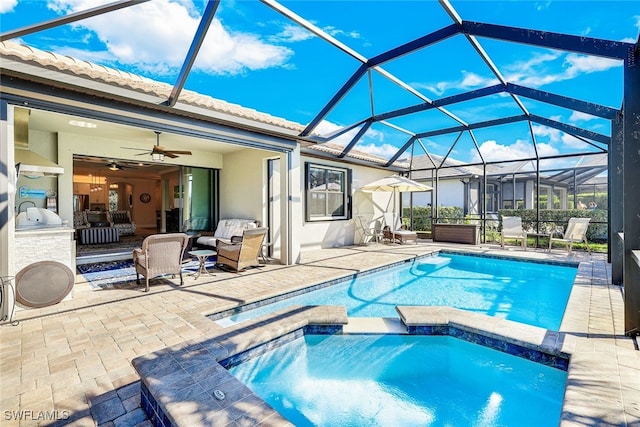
70	364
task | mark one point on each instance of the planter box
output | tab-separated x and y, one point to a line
423	234
456	233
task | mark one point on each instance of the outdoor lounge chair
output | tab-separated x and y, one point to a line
576	232
241	255
393	233
160	254
368	233
512	229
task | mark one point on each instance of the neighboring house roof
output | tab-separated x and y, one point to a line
422	166
585	168
336	150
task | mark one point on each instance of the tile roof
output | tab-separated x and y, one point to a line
99	73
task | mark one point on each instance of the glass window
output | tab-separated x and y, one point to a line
327	193
492	197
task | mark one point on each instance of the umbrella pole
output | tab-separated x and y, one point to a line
394	210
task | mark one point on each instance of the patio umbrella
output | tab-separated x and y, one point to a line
395	184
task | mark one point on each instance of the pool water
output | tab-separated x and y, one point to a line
526	292
403	380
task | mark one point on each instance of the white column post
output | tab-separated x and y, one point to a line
292	214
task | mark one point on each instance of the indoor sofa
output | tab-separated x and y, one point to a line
122	221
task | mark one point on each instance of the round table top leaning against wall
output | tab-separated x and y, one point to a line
43	283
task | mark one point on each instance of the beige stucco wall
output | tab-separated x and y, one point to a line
243	185
327	234
244	194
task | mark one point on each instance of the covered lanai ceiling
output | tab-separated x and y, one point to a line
362	85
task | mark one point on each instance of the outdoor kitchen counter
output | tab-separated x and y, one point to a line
44	243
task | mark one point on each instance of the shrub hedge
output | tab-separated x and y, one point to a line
552	221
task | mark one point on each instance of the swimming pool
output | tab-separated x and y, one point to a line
366	380
528	292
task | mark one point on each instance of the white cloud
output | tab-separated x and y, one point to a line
333	31
541	69
578	116
582	64
385	150
293	33
554	135
521	149
544	69
151	45
558	137
325	128
542	5
521	70
372	142
572	141
637	18
7	5
468	80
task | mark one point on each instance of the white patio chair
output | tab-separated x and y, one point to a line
512	229
368	232
576	232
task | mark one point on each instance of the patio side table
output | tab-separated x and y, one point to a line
202	256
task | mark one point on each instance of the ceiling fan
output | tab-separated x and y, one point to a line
115	166
158	152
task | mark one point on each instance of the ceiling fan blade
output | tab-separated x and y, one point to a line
170	154
144	154
188	153
131	148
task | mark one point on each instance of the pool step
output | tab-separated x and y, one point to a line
432	263
374	325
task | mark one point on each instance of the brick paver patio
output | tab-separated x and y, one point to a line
70	364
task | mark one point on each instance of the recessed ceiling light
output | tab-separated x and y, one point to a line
82	124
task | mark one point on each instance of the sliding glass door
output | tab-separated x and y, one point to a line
195	199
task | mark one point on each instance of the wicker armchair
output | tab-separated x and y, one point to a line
244	254
160	254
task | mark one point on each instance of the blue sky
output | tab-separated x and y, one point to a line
256	57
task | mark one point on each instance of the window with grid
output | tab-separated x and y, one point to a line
327	193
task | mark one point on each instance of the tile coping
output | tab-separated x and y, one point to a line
179	382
